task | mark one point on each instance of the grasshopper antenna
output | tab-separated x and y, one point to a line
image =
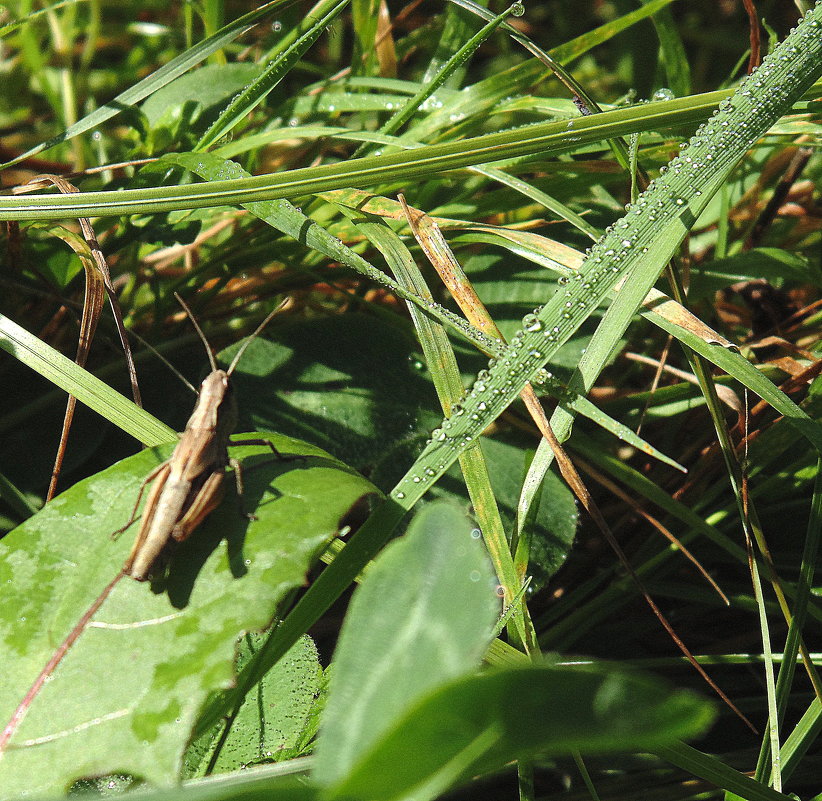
260	327
211	360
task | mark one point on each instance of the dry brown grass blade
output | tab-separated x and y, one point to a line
93	301
384	43
98	284
433	244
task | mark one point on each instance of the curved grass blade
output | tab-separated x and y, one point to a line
543	138
98	285
93	301
88	389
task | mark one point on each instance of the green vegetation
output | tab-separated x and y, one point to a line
597	201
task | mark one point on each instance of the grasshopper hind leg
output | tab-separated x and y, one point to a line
133	516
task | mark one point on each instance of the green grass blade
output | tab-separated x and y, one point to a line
582	44
315	23
541	138
717	773
88	389
798	742
673	52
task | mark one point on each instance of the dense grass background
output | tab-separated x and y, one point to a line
348	368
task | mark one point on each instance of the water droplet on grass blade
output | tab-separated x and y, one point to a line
531	323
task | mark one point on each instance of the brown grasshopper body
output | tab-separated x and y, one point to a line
187	487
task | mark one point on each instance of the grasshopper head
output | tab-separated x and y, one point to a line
217	406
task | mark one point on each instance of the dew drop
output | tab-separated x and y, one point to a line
531	323
663	93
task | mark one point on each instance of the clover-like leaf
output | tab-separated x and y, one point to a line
127	694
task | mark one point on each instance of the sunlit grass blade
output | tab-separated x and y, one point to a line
314	23
538	249
540	138
92	392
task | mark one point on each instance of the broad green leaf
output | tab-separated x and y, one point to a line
480	723
126	695
349	383
272	722
423	615
211	86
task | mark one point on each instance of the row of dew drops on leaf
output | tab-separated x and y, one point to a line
720	141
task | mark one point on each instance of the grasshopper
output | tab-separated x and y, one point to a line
185	489
189	485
